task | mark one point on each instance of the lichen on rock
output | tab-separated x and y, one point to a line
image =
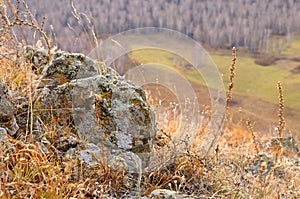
88	104
96	107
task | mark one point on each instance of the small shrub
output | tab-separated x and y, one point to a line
266	60
296	70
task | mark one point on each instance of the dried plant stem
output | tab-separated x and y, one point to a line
19	22
260	174
231	77
251	129
3	13
44	35
15	13
281	121
85	28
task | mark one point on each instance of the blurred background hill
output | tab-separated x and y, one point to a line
252	24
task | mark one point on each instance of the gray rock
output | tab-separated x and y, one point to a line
131	164
6	144
7	118
38	57
263	163
95	104
98	115
3	130
91	154
126	161
287	144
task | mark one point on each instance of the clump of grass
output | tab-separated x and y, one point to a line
27	171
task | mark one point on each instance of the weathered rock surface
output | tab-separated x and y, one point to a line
81	109
38	58
81	96
95	113
7	118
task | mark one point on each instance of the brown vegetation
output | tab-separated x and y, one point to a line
242	165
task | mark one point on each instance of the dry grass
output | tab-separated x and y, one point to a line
27	172
241	167
236	171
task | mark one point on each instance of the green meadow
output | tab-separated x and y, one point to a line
251	78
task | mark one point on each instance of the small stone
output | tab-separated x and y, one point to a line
132	165
163	194
3	130
287	145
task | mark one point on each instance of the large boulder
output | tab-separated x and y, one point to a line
92	112
94	103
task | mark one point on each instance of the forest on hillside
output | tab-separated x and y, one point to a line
256	25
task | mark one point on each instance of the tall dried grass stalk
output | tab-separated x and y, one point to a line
231	77
281	121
